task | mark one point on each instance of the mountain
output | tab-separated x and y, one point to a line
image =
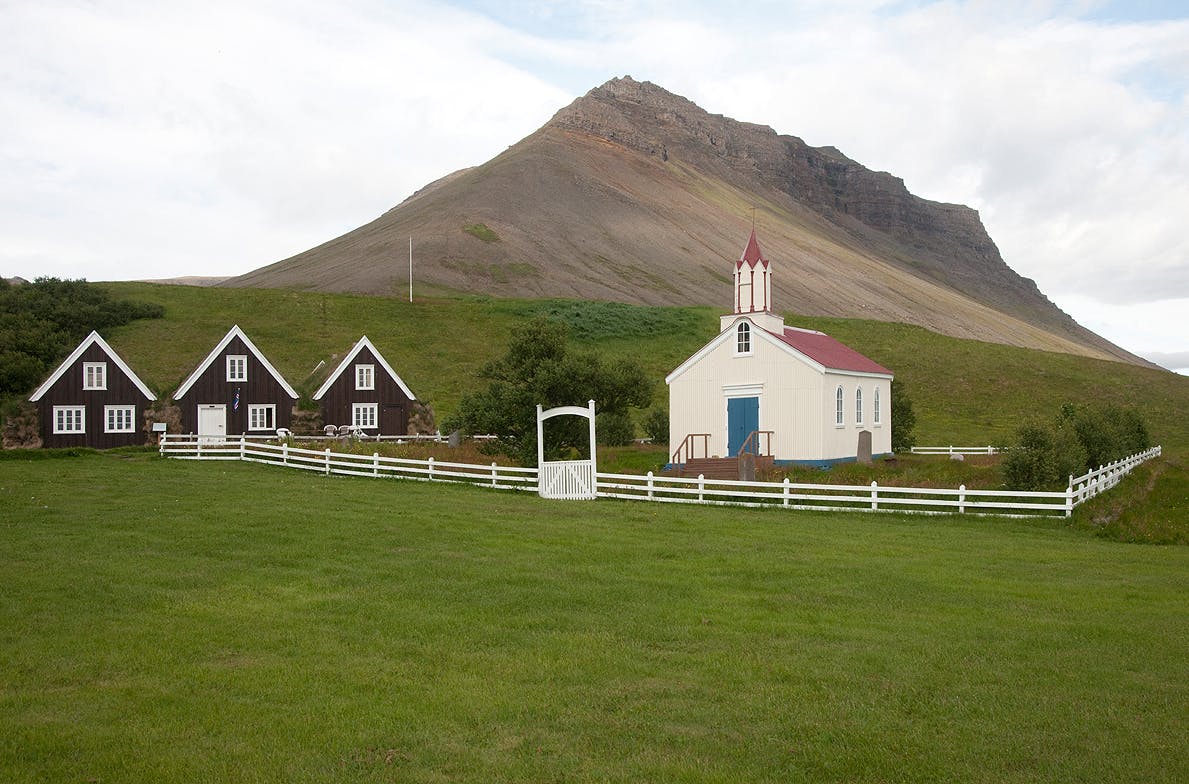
634	194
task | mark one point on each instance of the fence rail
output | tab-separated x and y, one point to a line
671	489
326	461
954	450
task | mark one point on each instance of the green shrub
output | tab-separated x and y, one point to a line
904	419
614	428
1043	457
1081	439
1106	432
656	425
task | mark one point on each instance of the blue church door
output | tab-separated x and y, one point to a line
743	416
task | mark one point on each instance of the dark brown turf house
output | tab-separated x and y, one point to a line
93	399
235	391
364	392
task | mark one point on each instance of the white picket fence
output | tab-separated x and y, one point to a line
327	461
954	450
650	487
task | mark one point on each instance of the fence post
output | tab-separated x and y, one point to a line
962	499
242	441
650	484
430	462
199	443
701	486
1069	498
874	496
785	493
990	449
494	474
375	463
328	461
285	453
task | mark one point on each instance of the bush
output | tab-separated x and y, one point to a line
656	426
1043	457
1106	432
614	428
904	419
1081	439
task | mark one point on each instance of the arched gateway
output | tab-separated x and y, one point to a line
572	480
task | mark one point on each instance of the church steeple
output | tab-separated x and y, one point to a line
753	289
753	279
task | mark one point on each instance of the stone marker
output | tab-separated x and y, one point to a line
864	455
747	467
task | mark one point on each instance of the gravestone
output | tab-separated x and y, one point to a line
864	455
747	467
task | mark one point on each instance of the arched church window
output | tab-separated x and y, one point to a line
859	406
743	338
838	408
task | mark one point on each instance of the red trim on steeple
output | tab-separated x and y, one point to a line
752	254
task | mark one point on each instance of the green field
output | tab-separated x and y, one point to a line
172	621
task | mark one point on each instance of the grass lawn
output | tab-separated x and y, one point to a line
175	621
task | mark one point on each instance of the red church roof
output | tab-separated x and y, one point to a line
828	352
751	254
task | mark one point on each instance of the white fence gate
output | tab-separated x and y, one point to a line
570	480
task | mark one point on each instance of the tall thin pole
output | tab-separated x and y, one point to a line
410	268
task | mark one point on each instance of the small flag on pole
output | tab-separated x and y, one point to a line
235	405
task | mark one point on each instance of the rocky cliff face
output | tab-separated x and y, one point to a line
946	243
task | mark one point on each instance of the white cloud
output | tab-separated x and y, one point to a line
215	137
211	138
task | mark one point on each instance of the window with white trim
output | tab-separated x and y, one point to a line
262	416
859	406
743	338
94	375
364	415
70	419
839	405
237	367
119	419
365	376
875	418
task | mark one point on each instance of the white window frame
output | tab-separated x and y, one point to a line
237	367
125	419
365	377
839	408
743	339
94	375
70	420
858	405
875	417
365	416
270	412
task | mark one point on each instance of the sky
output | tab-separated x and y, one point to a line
145	140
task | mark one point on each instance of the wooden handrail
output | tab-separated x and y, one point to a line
688	448
753	441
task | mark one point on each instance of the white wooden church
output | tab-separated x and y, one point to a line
797	395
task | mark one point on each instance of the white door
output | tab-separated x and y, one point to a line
212	424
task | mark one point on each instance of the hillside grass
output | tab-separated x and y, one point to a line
964	392
173	621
